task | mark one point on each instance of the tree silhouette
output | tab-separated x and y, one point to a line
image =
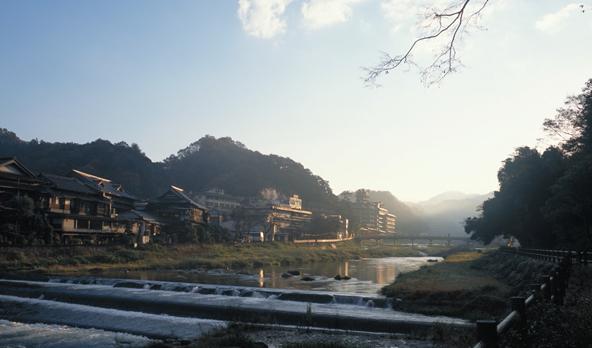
545	200
448	24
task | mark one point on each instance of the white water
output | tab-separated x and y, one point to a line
19	335
143	324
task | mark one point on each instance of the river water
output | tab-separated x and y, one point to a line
366	275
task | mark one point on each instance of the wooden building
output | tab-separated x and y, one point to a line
76	210
175	207
141	225
16	179
120	199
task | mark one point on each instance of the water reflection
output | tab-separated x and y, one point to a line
261	278
367	275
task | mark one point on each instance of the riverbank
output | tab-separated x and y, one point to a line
551	325
469	285
245	336
78	259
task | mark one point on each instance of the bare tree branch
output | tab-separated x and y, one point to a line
452	22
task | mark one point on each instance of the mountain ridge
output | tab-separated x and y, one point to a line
228	164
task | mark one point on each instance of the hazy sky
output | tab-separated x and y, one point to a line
283	77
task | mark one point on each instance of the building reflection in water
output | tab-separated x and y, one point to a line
343	268
261	278
385	273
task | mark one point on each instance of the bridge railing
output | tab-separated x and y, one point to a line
551	288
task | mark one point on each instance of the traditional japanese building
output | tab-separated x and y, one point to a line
81	206
76	210
140	224
120	200
16	179
174	207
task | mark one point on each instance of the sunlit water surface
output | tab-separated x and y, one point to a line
367	275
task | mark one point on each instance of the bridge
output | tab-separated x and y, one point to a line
398	238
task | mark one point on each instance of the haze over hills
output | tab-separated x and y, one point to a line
442	214
445	213
228	164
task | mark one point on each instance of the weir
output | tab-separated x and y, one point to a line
335	297
297	307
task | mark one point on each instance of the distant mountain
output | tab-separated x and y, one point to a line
445	213
207	163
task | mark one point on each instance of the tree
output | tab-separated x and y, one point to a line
569	209
517	208
25	224
572	125
546	200
447	24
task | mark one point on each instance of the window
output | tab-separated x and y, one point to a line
96	225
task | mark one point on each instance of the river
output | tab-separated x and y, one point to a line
367	276
136	307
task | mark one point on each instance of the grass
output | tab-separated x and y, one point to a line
237	336
321	344
452	288
550	325
231	336
468	285
187	256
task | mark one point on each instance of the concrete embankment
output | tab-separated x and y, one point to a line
230	308
30	310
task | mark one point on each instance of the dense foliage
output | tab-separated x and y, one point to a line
228	164
121	162
545	199
23	224
207	163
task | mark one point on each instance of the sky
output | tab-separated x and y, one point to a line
285	77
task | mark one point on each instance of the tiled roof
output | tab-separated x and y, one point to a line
180	193
137	214
68	184
103	184
7	161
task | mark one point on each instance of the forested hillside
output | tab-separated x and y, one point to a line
207	163
121	162
545	197
228	164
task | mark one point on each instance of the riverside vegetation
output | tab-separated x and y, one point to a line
470	285
188	256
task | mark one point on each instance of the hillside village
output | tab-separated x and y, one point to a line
83	208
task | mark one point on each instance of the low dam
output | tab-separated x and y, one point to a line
153	301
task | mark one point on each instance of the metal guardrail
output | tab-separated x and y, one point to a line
552	289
